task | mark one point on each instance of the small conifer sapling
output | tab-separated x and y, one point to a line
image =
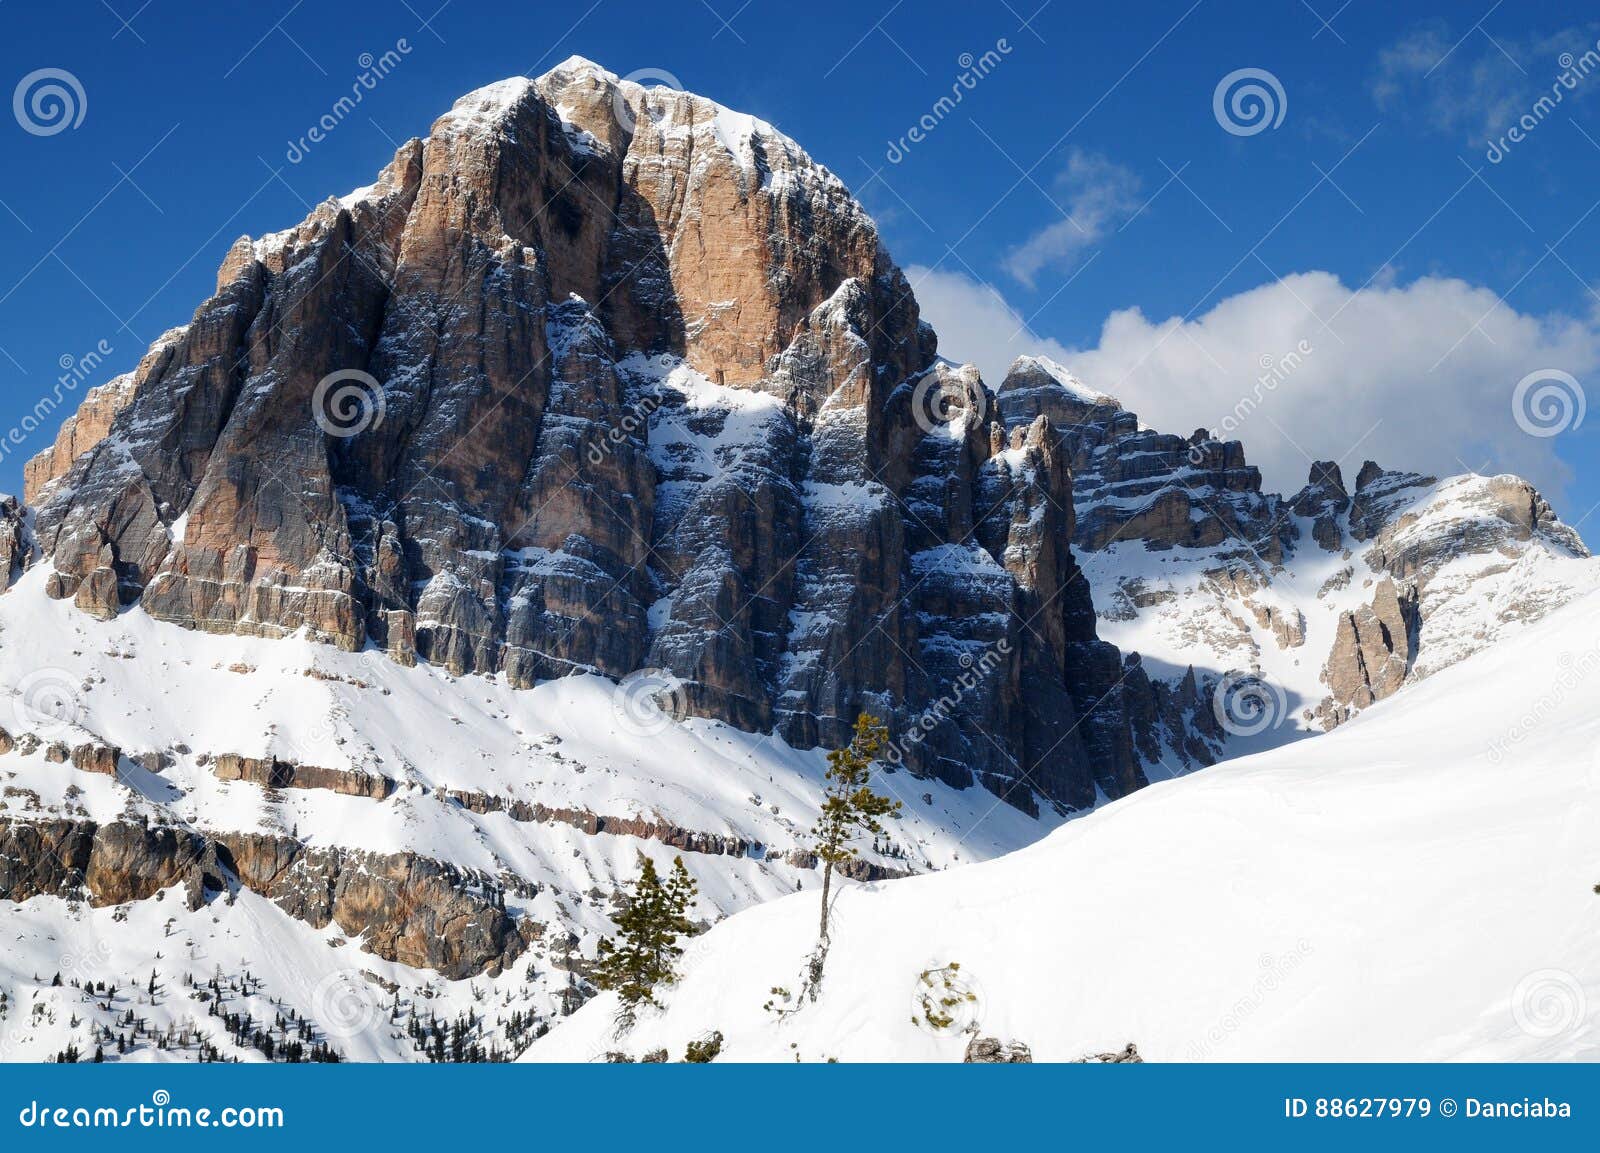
850	808
644	954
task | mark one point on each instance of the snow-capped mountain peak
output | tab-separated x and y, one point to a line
561	496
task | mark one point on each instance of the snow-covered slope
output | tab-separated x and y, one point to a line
1415	885
1233	616
553	762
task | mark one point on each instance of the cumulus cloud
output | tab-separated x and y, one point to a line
1097	195
975	323
1418	376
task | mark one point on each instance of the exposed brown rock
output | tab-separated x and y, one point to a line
232	767
15	544
1324	501
1288	626
80	432
471	525
993	1051
94	757
1133	484
1377	493
400	636
405	907
687	840
97	593
1372	652
272	773
1128	1055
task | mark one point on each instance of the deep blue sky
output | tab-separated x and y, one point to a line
113	229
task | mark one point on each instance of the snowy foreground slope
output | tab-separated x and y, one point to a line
1415	885
176	700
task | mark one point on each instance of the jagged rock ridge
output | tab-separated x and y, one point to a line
1326	601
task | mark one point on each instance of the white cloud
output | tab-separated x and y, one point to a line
975	323
1099	195
1400	375
1472	86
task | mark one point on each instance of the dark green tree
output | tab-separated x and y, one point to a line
850	809
650	921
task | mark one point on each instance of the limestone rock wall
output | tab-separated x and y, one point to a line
411	909
593	379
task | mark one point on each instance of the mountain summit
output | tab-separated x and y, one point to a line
600	378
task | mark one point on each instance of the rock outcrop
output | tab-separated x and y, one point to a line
594	824
1135	484
411	909
1372	652
1435	546
1127	1055
94	757
1323	502
1505	512
272	773
80	432
15	545
993	1051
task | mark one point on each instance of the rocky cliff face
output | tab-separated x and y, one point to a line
600	378
418	912
16	546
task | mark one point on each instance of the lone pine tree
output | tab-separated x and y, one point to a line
650	921
849	809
